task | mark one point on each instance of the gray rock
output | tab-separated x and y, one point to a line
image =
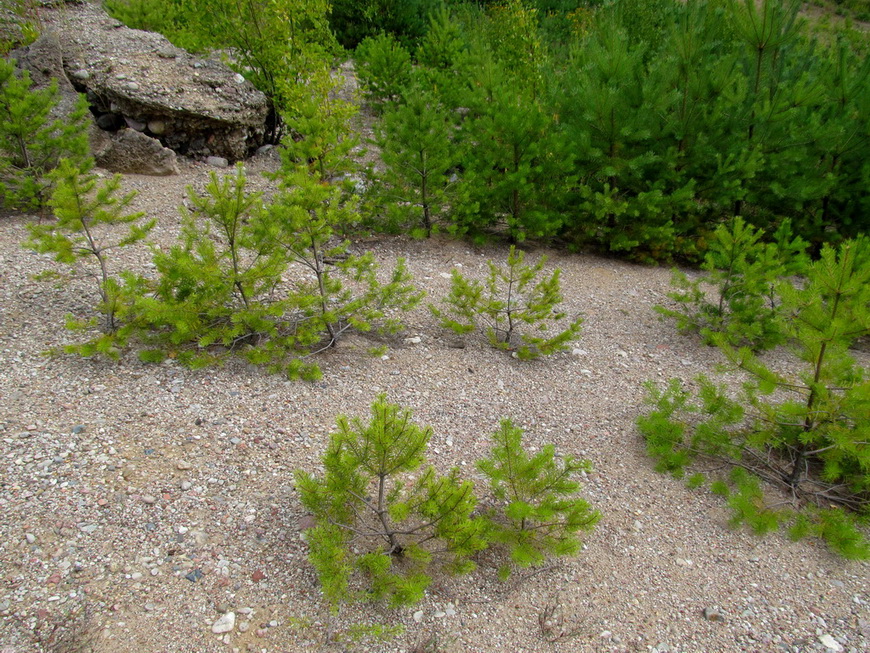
713	614
225	624
217	161
133	152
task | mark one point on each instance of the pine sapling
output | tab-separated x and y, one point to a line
512	297
89	214
745	272
539	513
216	287
813	440
380	514
32	143
333	289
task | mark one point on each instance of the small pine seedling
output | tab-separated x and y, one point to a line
540	514
511	297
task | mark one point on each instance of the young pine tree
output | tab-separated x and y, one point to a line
32	142
381	515
333	289
806	430
92	220
511	298
539	512
416	138
216	287
746	272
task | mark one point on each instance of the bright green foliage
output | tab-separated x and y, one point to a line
745	272
384	68
380	513
813	438
539	514
216	287
333	289
511	297
418	150
325	141
89	214
31	141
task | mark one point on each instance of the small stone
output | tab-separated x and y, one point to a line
194	576
418	616
157	127
217	161
136	576
415	340
150	500
186	485
78	428
713	614
244	626
132	86
257	576
183	465
439	614
225	624
830	643
30	537
81	74
238	79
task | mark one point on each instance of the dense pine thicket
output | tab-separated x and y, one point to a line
652	124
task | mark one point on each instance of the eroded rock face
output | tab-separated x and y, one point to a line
138	80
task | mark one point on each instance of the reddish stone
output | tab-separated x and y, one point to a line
257	576
54	580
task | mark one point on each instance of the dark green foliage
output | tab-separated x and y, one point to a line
383	67
511	298
416	139
352	21
538	513
812	437
87	210
381	514
31	141
744	272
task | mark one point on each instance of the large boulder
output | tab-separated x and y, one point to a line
138	80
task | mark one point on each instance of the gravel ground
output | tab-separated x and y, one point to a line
141	503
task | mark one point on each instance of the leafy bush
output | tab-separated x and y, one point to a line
511	297
745	272
813	439
379	514
84	207
383	518
383	67
416	139
540	514
31	141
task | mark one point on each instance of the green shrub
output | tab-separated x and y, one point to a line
379	513
745	272
32	142
383	67
813	438
512	297
538	512
86	209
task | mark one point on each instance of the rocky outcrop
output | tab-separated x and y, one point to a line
138	81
